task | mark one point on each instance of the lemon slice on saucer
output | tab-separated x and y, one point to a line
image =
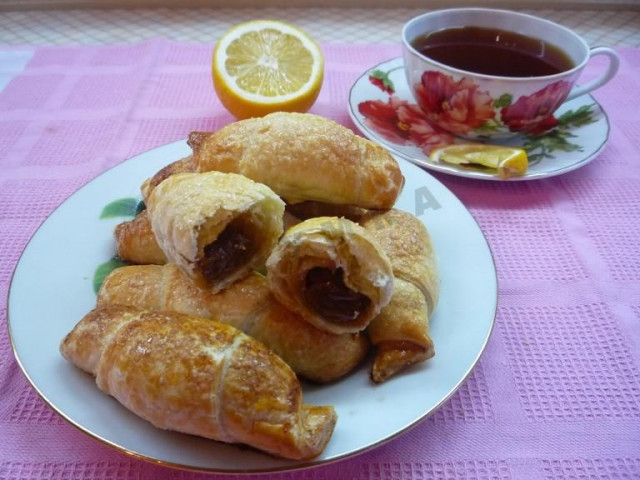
506	161
265	66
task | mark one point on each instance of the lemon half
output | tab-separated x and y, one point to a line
264	66
507	161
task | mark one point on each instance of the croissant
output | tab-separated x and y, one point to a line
184	165
303	157
331	272
309	209
217	227
136	243
195	376
401	332
247	305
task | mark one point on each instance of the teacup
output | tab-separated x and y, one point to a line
485	106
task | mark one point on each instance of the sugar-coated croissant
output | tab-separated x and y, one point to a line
401	332
309	209
136	243
184	165
200	377
247	305
217	227
303	157
331	272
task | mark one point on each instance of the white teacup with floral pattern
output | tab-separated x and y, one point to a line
487	107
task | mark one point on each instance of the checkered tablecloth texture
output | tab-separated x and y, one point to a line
326	25
557	392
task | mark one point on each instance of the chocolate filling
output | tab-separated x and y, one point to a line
227	253
326	293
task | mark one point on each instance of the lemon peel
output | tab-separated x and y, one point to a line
264	66
507	161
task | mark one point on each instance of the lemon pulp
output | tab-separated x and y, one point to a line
506	161
264	66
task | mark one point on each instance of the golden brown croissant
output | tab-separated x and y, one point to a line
306	210
200	377
136	243
217	227
401	331
303	157
184	165
247	305
331	272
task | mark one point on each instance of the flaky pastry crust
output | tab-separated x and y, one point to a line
195	376
247	305
217	227
303	157
338	260
401	332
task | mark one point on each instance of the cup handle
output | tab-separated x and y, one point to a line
612	69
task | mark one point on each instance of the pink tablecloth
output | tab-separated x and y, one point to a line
557	392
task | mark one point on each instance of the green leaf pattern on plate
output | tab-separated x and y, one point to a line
105	269
123	207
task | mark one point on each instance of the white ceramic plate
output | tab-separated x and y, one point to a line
52	289
580	136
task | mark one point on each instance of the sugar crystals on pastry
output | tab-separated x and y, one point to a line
136	243
400	332
247	305
217	227
303	157
192	375
331	272
184	165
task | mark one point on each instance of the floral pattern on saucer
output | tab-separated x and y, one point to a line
382	106
463	109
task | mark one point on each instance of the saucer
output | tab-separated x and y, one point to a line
580	133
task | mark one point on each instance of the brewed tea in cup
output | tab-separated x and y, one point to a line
492	74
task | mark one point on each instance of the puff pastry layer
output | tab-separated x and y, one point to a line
247	305
331	272
217	227
136	243
303	157
199	377
401	332
184	165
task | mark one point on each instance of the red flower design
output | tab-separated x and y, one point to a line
546	124
382	81
455	106
383	118
534	113
423	133
403	123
